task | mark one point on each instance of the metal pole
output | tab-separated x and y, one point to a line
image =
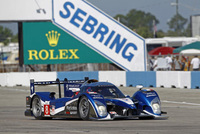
59	88
21	53
176	7
177	25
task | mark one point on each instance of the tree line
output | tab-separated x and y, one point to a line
142	23
7	35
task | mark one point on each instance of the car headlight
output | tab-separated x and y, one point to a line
102	111
155	103
156	108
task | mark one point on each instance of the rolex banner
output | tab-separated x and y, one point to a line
44	43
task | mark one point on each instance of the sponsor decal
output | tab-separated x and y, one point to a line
150	94
69	112
94	96
52	109
74	85
74	112
70	108
74	89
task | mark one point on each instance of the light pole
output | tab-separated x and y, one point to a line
177	25
177	14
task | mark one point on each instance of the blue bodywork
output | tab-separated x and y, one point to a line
106	101
145	98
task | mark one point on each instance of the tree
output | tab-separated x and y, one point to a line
15	38
160	34
139	21
177	25
5	34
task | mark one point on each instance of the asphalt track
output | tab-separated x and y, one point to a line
182	105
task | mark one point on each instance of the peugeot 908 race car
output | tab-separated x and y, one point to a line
91	100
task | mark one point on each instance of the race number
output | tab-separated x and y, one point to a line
46	110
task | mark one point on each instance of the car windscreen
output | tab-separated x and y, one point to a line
108	91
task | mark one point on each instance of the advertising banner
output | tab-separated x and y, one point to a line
100	32
45	43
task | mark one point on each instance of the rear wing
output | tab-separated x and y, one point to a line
67	83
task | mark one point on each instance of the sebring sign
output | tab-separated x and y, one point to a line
101	33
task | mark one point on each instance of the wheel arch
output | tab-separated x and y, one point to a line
92	112
35	95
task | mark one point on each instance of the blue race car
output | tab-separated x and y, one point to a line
91	100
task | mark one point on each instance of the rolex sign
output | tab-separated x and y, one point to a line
44	43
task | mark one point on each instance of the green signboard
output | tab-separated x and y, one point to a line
45	43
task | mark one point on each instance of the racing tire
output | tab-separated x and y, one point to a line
37	108
84	108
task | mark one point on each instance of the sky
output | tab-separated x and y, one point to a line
162	9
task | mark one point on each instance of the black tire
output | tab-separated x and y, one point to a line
84	108
37	108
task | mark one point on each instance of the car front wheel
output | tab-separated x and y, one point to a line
84	108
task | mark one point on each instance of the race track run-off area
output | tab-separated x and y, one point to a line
182	106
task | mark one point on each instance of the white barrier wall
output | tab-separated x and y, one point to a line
43	76
23	79
14	79
185	79
116	77
173	78
3	79
167	79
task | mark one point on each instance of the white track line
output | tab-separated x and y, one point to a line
15	89
175	102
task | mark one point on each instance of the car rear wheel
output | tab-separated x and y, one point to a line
37	108
84	108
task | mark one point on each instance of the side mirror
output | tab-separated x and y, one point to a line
139	87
